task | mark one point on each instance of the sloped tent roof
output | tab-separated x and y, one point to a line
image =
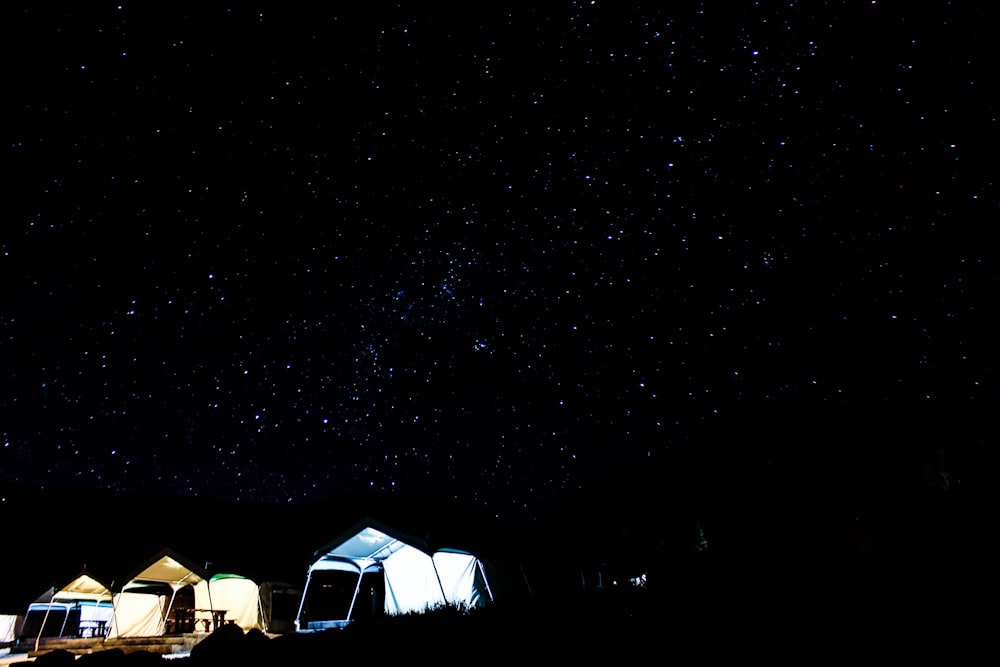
418	577
167	567
83	586
140	610
44	598
366	544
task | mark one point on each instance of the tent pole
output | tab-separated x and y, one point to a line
437	575
24	622
482	571
357	587
208	587
302	602
170	607
114	612
104	639
260	610
45	618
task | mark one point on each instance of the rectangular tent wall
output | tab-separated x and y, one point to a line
238	596
138	615
50	619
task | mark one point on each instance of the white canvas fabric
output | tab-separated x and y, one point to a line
90	612
8	628
458	577
416	577
410	582
138	615
168	568
237	595
83	587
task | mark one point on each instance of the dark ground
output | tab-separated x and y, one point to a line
622	626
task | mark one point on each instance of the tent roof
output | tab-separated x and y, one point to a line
440	522
170	568
227	575
86	586
83	586
46	596
365	545
369	541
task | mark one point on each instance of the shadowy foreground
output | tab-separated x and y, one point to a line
622	625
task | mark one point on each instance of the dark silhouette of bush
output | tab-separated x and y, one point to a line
55	658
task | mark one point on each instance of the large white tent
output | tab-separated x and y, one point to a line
414	577
144	604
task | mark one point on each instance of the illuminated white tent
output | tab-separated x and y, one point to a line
148	596
415	577
268	606
239	596
76	609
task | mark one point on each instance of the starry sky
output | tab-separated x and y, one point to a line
508	253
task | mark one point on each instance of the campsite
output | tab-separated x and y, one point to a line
668	562
249	567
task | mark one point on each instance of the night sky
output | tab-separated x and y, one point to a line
509	254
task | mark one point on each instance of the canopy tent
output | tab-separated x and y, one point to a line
80	607
268	606
237	595
144	604
414	577
279	601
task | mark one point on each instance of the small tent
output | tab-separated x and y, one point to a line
238	596
150	601
399	572
269	606
279	602
82	607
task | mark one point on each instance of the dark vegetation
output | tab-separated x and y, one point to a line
707	620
